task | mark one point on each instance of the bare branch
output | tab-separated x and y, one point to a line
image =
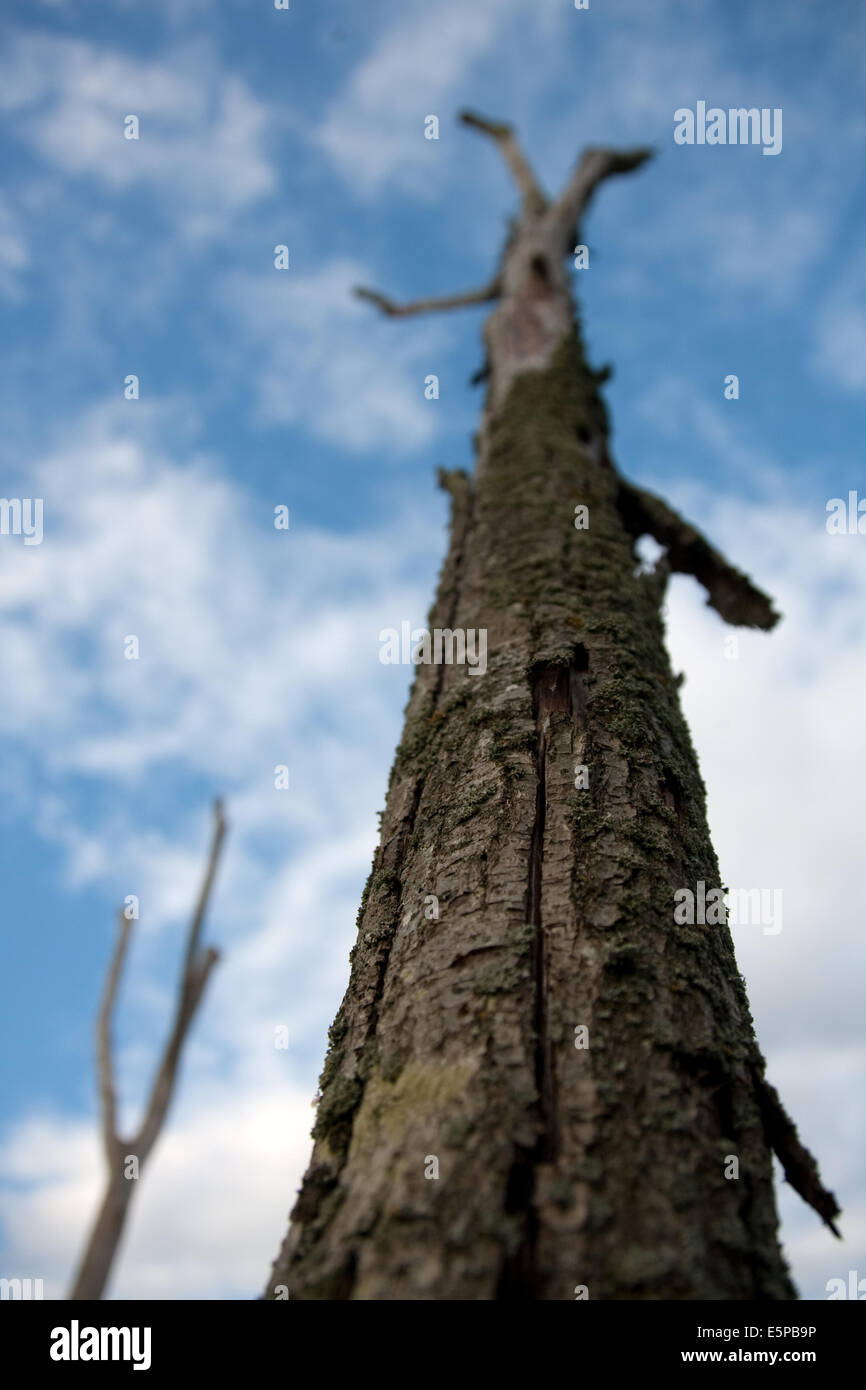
534	201
196	970
483	295
219	831
593	167
104	1063
730	591
99	1253
801	1170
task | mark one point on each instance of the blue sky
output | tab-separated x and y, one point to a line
259	647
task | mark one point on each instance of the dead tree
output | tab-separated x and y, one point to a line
126	1157
578	1066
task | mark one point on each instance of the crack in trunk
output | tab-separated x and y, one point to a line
557	692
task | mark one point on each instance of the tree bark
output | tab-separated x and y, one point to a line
561	1167
105	1236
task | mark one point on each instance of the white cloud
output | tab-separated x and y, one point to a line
841	345
676	411
14	252
250	641
177	556
323	359
816	1256
780	742
374	131
207	1217
769	250
202	132
823	1084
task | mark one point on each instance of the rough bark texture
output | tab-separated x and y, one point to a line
559	1166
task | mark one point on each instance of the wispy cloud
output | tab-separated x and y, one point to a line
202	131
327	362
207	1221
14	253
249	641
840	353
374	130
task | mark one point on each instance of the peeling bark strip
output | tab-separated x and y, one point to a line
559	1165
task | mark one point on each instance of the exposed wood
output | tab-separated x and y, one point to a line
534	201
426	306
593	167
104	1062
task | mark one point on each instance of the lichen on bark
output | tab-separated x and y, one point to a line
559	1164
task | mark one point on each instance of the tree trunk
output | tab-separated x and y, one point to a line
580	1066
104	1241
